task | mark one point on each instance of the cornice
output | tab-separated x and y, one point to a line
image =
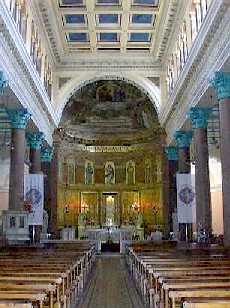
170	17
50	25
43	34
115	64
180	8
209	53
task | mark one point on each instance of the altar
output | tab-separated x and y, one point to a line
111	234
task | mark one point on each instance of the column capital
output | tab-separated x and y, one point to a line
3	83
171	152
47	154
18	117
183	138
199	116
221	83
34	139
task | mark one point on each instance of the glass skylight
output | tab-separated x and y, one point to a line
75	18
139	37
107	18
71	2
108	37
146	2
77	37
108	2
142	18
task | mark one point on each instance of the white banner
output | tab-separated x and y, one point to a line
34	194
186	201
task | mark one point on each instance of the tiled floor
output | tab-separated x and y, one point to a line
111	286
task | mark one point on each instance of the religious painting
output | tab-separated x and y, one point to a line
89	206
109	173
89	172
71	171
130	172
148	173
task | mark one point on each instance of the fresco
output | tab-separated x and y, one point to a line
109	100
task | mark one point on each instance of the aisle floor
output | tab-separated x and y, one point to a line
111	285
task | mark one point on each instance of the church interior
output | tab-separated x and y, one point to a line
114	157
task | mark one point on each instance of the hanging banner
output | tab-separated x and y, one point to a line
34	194
186	201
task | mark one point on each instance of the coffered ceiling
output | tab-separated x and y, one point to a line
95	27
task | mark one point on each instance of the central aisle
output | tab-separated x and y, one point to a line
111	286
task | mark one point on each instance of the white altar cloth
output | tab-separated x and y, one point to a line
116	235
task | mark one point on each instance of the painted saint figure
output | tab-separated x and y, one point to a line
147	171
109	173
89	172
130	173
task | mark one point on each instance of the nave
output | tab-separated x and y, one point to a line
111	285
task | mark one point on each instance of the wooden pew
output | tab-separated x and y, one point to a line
55	273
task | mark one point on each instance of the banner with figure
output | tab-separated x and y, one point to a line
186	201
34	194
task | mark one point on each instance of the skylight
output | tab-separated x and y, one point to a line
107	18
108	37
146	2
75	18
77	37
108	2
71	2
142	18
139	37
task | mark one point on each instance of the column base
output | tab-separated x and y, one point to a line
15	226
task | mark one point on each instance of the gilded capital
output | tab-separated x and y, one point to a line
46	154
18	117
221	83
199	116
171	153
183	138
34	140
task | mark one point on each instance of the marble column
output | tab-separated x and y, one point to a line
183	139
19	119
34	141
171	165
54	186
199	118
221	83
15	220
46	158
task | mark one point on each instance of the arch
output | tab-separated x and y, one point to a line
75	84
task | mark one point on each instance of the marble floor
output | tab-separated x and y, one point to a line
111	285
